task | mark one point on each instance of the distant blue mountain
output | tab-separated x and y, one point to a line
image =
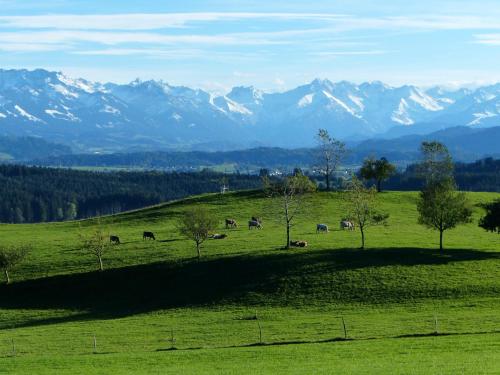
149	115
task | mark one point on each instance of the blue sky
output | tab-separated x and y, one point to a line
273	45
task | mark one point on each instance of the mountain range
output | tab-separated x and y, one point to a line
149	115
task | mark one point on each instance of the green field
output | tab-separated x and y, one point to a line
250	307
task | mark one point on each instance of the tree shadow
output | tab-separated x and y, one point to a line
250	279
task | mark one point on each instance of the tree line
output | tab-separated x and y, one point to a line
37	194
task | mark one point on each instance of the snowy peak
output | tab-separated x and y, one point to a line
246	95
75	110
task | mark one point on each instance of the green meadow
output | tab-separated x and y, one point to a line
398	307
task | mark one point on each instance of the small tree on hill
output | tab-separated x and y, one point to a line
289	192
491	221
95	243
363	207
11	256
378	170
441	207
196	224
330	153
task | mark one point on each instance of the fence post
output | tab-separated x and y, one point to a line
172	339
95	345
345	329
260	328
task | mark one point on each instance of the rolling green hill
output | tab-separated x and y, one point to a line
250	307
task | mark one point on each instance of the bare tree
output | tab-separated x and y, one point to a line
330	153
11	256
289	192
196	224
95	243
363	207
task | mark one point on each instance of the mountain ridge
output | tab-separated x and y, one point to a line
93	116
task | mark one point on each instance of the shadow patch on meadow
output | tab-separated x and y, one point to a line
277	278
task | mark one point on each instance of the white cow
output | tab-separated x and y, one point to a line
346	224
254	224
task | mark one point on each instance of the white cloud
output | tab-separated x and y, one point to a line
115	38
347	53
135	32
29	47
488	39
142	21
173	54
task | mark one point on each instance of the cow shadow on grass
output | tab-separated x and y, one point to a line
279	278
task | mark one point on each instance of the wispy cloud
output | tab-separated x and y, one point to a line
348	53
488	39
30	47
174	54
117	37
153	29
143	21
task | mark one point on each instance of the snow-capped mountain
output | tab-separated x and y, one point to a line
152	114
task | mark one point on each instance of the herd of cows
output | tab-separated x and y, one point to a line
253	223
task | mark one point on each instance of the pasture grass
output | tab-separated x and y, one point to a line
407	307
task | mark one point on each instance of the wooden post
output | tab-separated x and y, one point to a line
345	329
260	328
172	339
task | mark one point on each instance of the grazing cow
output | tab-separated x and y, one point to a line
321	228
346	224
218	236
257	219
254	224
114	239
148	235
298	243
231	223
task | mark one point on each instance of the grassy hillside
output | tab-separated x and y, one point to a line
393	296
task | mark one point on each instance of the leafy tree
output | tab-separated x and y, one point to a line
441	207
491	221
378	170
96	243
363	207
11	256
289	193
436	164
330	153
196	224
